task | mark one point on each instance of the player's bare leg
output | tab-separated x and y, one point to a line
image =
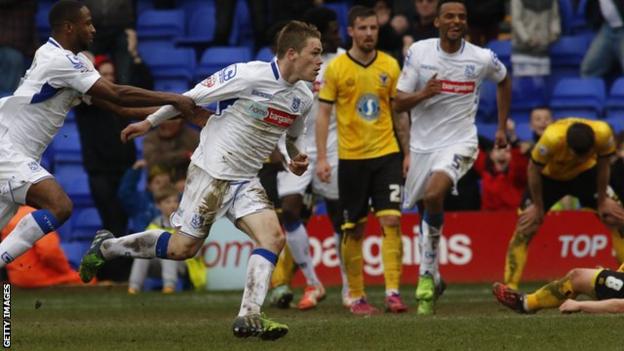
53	208
264	228
438	185
518	248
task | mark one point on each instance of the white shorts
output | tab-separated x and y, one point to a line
289	183
17	173
455	161
205	199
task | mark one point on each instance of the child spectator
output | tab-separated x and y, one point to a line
167	201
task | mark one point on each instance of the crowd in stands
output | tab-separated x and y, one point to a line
564	55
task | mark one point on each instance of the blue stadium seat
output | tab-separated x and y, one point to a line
265	54
487	103
566	13
66	144
526	94
168	63
617	123
160	24
524	132
487	130
73	178
74	251
85	222
342	13
201	26
171	85
615	102
502	49
566	56
41	21
578	97
218	57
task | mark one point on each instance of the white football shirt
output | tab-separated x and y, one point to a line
53	84
449	117
255	107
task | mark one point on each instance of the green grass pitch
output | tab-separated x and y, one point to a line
468	318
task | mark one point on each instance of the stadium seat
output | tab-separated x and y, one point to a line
74	251
42	23
615	102
265	54
85	222
487	130
66	144
160	24
566	13
218	57
524	132
526	94
617	123
566	56
73	178
168	63
171	85
502	49
342	12
578	97
486	111
201	27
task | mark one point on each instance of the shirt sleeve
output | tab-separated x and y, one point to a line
605	142
408	79
395	72
73	71
225	84
544	149
329	85
495	70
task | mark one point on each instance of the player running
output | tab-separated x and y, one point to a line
440	86
571	158
257	103
58	79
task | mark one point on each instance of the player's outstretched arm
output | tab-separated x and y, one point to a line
503	100
603	306
129	96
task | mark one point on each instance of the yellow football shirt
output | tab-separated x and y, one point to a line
559	162
362	96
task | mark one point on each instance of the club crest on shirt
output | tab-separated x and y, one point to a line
34	166
542	149
368	107
196	221
296	103
383	79
470	71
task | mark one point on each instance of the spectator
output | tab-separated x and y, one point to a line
535	25
104	156
484	17
503	174
226	11
167	200
422	23
171	144
608	44
44	264
539	119
390	30
18	40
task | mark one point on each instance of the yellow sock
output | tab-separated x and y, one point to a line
617	242
392	256
550	295
284	269
354	265
516	259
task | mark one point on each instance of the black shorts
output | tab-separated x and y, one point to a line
609	285
583	186
268	179
378	179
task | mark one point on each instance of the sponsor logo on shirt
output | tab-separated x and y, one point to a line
209	82
368	107
261	94
449	86
272	116
429	67
227	73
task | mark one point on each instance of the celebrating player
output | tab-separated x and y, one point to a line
361	83
258	102
57	80
604	285
292	188
440	85
571	158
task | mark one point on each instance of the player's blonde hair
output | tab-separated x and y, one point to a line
294	35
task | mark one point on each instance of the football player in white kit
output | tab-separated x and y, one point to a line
57	80
291	188
439	85
257	103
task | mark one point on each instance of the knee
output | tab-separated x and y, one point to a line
275	240
575	276
433	197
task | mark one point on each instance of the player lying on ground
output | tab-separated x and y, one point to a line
604	286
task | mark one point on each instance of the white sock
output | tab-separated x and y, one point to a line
429	246
138	273
259	270
169	269
299	245
139	245
343	273
20	240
